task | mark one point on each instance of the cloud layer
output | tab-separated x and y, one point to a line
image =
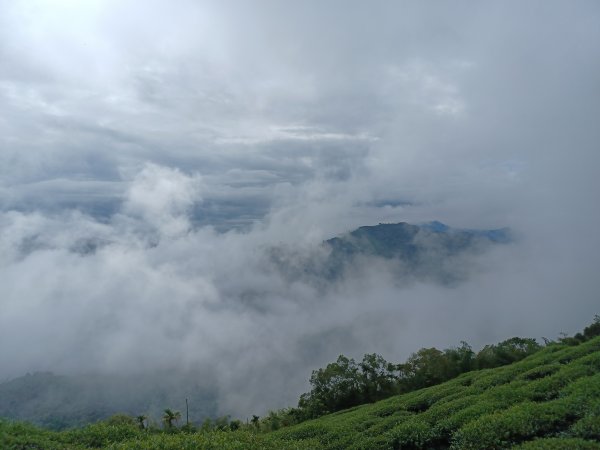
151	152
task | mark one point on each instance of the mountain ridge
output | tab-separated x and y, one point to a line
430	251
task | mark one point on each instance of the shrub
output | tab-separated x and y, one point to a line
516	424
412	433
540	372
559	444
102	434
120	419
18	435
589	426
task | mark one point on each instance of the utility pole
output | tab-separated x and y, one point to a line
187	413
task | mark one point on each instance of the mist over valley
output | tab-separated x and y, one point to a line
210	200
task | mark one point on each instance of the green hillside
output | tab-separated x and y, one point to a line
550	400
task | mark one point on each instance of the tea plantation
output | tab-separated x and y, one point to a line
550	400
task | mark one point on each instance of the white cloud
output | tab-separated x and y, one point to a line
126	127
162	198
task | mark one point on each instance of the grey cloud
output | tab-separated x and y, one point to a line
150	152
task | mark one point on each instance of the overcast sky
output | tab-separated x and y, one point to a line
182	138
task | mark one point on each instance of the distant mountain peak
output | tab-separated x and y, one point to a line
431	251
422	250
436	226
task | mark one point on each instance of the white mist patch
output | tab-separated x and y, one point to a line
146	292
162	198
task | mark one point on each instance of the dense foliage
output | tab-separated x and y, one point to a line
346	383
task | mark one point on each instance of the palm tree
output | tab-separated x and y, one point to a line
141	419
169	416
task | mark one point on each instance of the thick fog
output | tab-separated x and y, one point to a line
153	152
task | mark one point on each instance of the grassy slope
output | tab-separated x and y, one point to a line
550	400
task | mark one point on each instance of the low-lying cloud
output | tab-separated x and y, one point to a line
152	154
146	292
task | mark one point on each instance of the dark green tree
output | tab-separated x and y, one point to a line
424	368
222	423
378	378
461	359
120	419
590	331
335	387
141	420
506	352
170	416
235	424
207	425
